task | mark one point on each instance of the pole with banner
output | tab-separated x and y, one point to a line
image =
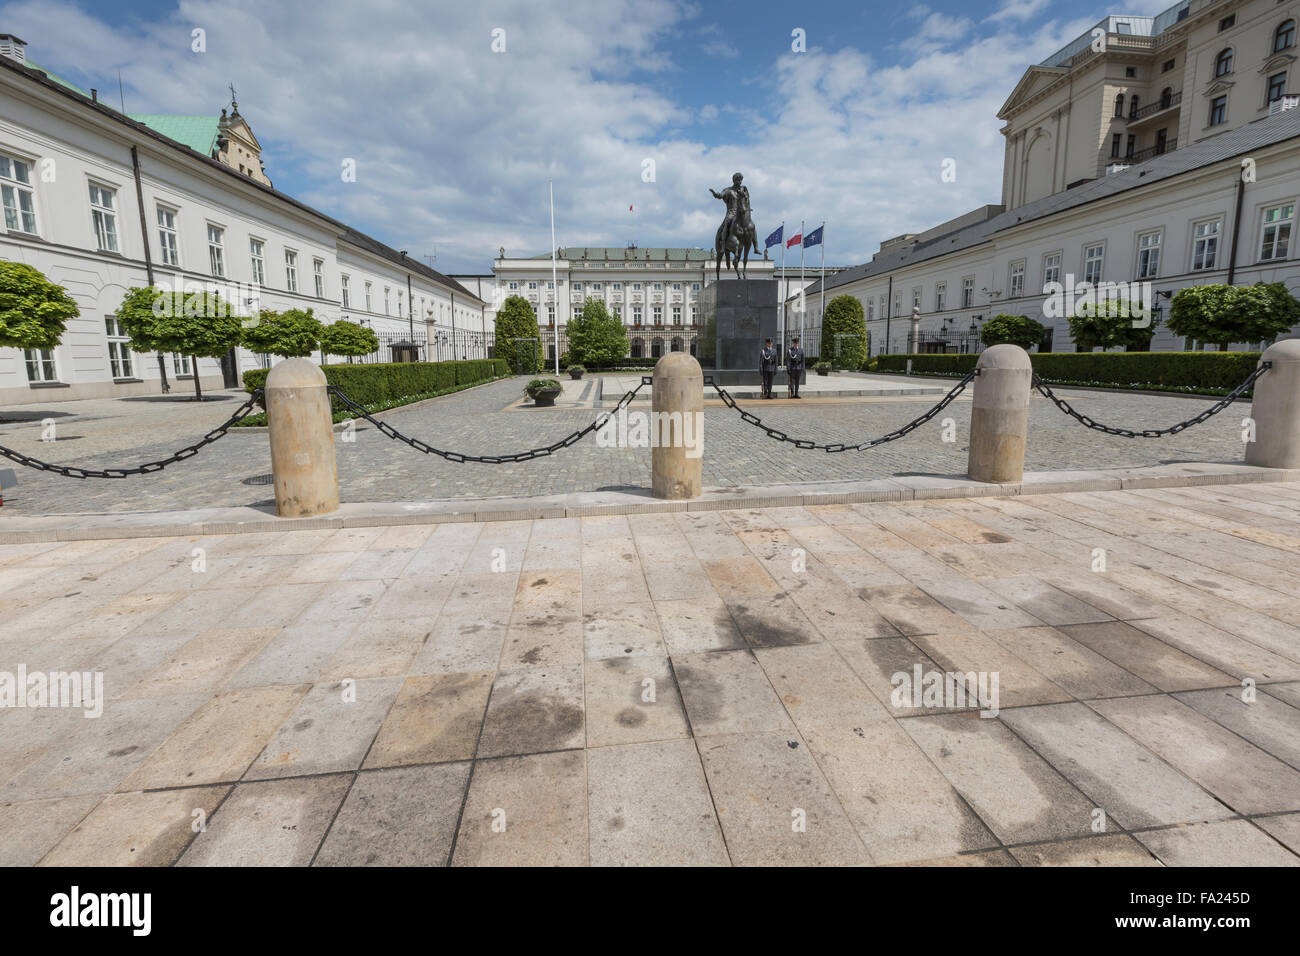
802	246
555	286
821	314
773	240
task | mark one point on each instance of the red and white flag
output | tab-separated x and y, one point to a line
795	240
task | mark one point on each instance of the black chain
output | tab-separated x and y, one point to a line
529	455
1227	400
836	446
187	452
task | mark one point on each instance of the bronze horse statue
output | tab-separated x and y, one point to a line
737	233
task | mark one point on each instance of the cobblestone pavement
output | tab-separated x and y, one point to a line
487	420
673	689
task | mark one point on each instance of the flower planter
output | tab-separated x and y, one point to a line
545	399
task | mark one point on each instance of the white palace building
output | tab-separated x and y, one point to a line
100	201
1152	149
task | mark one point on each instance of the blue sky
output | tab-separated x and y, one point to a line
454	142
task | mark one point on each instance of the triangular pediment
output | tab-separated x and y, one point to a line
1036	79
239	128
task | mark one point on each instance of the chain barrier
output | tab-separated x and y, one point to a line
529	455
189	451
1227	400
836	446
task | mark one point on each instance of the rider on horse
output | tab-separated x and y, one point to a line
736	197
737	227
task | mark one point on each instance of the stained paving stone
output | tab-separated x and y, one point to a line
650	806
777	687
138	829
269	823
402	816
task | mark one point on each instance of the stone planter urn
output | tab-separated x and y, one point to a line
543	392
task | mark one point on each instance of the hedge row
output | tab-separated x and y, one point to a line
1177	369
386	382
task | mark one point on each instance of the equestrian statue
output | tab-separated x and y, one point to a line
737	233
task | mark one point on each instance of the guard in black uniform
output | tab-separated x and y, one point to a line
767	363
794	363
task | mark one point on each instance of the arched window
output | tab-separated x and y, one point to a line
1132	106
656	348
638	347
1284	36
1166	97
1119	104
1223	63
677	344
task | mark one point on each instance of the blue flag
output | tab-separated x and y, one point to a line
813	238
775	238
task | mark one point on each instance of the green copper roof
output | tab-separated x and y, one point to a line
56	78
620	253
199	133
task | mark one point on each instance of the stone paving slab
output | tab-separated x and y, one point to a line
705	687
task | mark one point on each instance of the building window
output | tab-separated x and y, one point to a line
677	287
1276	87
916	298
1284	37
181	364
167	248
291	270
512	285
369	289
1205	245
532	285
967	293
1093	258
1115	142
618	287
550	314
1227	22
216	250
1130	72
1051	269
871	304
1276	236
318	276
1168	65
388	300
597	286
1218	110
677	315
659	287
119	356
1016	285
940	294
16	191
1131	147
1223	63
257	256
694	319
343	289
576	286
1133	106
695	287
636	287
40	365
1148	257
105	219
636	315
658	313
1119	105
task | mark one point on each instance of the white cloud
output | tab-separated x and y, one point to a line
1018	10
454	143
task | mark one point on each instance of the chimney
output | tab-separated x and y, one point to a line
13	48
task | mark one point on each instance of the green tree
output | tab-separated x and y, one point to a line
844	317
197	324
1223	314
1012	330
293	333
348	338
1109	324
516	320
34	311
595	336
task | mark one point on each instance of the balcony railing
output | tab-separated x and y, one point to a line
1152	108
1160	148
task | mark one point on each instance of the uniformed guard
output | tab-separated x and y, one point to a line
767	364
794	365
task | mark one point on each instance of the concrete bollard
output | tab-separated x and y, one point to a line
677	427
999	417
1276	409
302	440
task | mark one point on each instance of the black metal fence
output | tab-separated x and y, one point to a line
443	345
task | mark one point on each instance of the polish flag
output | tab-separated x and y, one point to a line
794	240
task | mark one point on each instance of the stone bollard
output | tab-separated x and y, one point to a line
302	440
999	417
677	427
1276	409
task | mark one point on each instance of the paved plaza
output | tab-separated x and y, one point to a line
489	419
704	688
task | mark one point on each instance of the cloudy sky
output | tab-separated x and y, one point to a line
623	103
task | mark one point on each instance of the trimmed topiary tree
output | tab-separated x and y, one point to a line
293	333
516	320
595	336
1012	330
197	324
1109	324
349	339
1223	314
844	317
34	311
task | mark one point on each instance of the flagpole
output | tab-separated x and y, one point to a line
804	298
555	286
786	292
821	314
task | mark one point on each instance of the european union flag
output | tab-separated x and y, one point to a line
775	238
813	238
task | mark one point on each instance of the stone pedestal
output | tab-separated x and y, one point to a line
1276	409
301	431
677	427
999	416
738	314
